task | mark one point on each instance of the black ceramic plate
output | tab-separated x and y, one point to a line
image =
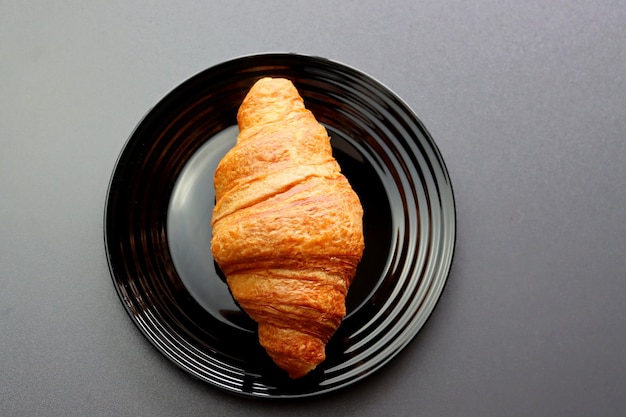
157	225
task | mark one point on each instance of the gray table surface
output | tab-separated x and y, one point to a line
526	100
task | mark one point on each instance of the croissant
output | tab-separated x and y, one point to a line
287	226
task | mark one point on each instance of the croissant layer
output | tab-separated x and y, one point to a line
287	226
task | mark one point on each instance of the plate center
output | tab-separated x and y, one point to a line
189	231
189	227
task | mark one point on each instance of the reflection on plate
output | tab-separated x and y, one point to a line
158	210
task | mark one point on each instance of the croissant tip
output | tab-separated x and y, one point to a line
298	371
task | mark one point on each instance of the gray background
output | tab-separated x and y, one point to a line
526	100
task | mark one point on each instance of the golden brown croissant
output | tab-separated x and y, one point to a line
287	226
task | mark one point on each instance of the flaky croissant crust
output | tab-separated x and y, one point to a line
287	226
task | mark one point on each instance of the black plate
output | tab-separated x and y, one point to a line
157	225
